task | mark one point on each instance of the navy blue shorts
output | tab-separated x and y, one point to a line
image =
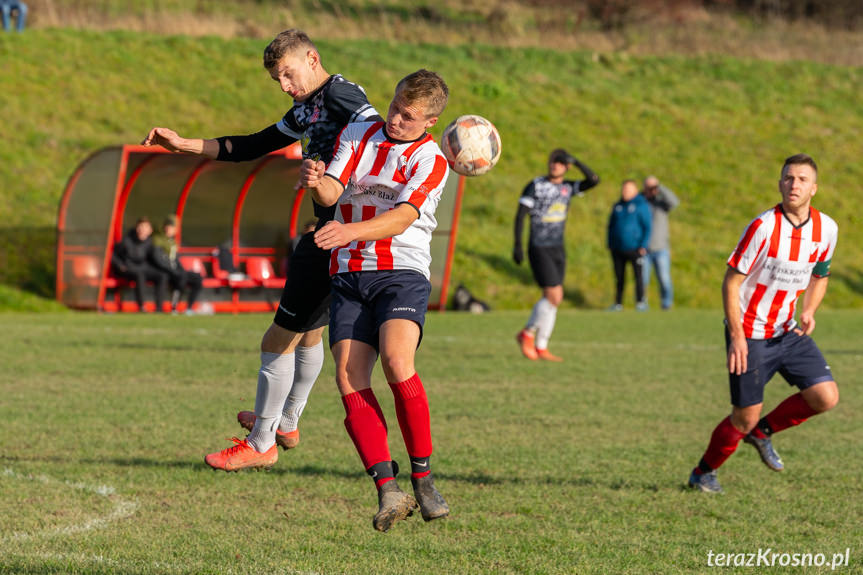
305	303
795	357
363	301
548	264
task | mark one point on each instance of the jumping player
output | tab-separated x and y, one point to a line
547	199
784	252
388	178
291	349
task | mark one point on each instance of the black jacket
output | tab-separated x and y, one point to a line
132	253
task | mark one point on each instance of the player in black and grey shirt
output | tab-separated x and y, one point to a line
291	350
547	200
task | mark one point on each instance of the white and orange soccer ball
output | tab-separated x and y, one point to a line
471	145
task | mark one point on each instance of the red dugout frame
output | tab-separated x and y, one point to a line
86	233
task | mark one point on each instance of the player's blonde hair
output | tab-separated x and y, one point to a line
288	42
427	87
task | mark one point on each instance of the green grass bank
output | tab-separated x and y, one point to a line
715	129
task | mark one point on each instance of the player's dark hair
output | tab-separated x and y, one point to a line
800	160
287	42
143	220
426	86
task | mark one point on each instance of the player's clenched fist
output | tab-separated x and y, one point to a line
311	173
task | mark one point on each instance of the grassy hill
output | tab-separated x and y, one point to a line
715	129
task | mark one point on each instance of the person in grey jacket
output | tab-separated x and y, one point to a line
661	200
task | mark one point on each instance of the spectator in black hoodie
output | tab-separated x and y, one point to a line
134	258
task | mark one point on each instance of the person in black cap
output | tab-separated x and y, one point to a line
546	199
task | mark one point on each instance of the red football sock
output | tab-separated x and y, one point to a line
367	427
793	411
412	409
723	443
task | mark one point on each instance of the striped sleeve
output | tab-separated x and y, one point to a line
427	178
830	234
349	149
749	247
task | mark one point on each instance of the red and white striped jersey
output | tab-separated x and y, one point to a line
779	260
379	174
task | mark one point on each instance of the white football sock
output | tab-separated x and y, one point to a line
533	320
308	366
545	324
275	379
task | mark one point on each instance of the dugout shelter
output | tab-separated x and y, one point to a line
236	222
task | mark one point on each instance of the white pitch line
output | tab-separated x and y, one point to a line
122	508
119	564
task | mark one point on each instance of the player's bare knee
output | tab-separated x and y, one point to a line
351	380
554	295
822	397
311	338
746	421
397	368
279	340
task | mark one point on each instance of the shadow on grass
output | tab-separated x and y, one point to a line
145	346
478	479
27	259
523	275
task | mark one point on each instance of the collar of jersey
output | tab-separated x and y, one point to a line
394	141
803	223
319	88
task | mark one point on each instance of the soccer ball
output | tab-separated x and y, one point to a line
471	145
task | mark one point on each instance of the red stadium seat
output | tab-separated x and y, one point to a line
261	271
194	264
85	267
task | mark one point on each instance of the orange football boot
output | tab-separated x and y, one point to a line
547	355
525	340
284	439
242	456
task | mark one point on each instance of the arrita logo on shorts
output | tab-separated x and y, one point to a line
410	309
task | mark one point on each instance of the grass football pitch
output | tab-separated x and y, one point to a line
577	467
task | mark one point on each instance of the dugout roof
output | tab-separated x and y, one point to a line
254	207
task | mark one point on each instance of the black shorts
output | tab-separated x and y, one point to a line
548	264
363	301
795	357
305	303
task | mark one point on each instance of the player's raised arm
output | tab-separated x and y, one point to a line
173	142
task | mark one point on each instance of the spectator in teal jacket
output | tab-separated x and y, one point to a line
628	237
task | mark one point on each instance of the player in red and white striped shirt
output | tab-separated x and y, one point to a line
387	178
783	254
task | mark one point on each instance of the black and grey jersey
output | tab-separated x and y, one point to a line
316	122
548	204
319	119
